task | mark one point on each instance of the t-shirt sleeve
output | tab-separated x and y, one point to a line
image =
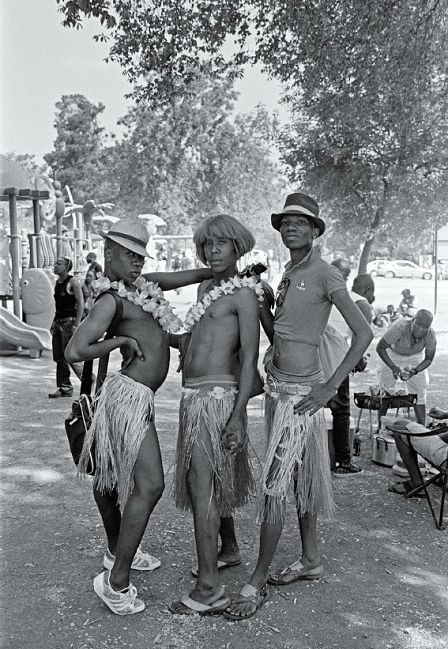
334	281
431	341
394	333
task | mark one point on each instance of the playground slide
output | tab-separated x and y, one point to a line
14	332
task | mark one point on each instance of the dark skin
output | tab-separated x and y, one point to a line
145	350
227	334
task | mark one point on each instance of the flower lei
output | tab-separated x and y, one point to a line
148	295
196	312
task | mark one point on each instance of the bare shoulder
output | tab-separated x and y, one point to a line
246	297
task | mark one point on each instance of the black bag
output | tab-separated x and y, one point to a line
80	418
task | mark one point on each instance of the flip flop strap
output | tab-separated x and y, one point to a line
249	591
194	605
199	606
296	567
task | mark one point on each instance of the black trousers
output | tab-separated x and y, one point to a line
340	410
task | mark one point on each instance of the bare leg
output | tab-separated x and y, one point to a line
420	413
111	516
308	534
410	460
206	517
229	545
148	488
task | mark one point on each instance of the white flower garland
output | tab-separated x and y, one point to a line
148	295
196	312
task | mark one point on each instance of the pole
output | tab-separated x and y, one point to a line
36	236
436	266
12	192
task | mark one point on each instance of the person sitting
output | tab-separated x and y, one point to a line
433	449
408	305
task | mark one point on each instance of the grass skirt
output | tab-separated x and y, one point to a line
297	450
210	401
122	413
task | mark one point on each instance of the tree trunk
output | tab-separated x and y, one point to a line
362	268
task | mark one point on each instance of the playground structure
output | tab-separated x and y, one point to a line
27	260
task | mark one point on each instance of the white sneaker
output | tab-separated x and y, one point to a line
123	602
141	561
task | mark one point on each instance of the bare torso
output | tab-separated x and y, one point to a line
215	340
153	341
293	357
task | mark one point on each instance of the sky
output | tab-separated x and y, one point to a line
41	61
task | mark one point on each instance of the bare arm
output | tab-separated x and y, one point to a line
77	294
361	338
249	332
381	349
169	281
265	310
85	343
426	362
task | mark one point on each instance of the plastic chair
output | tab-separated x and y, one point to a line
442	474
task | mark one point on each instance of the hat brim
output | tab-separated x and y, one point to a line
125	243
276	220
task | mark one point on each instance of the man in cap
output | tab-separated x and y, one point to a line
296	394
407	349
69	305
128	480
335	344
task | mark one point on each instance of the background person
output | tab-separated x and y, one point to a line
408	305
433	449
335	344
69	305
93	264
407	349
87	291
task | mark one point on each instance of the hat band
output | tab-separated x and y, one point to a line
128	237
298	208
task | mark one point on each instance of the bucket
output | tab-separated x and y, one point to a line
384	450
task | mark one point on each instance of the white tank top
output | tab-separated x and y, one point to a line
337	321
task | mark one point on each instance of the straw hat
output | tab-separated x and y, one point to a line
130	234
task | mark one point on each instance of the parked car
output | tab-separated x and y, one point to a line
376	266
404	268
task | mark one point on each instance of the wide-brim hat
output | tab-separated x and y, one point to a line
130	234
303	205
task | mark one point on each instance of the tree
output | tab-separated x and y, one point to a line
376	159
166	45
76	160
191	158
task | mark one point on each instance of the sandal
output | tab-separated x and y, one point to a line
403	488
188	606
248	595
295	572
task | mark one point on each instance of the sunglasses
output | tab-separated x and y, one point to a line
281	291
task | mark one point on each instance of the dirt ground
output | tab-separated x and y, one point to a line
386	571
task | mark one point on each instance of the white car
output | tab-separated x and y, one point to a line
376	266
404	268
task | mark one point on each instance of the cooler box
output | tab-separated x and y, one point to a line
329	423
384	450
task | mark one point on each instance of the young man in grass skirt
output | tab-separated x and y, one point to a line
213	474
128	481
297	449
